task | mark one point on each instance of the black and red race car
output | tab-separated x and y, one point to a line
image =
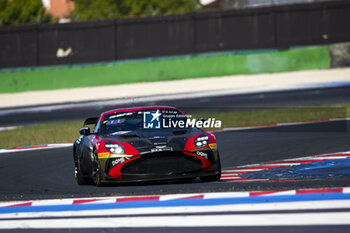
144	144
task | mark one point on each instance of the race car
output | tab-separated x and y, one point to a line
144	144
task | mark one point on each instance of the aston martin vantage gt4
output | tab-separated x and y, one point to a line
144	144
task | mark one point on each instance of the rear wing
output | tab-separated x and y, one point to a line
91	121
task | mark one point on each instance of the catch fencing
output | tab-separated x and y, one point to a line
245	29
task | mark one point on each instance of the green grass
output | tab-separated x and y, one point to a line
40	134
151	70
68	131
267	117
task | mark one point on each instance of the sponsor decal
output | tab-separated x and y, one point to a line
119	156
157	137
187	123
172	119
115	121
78	141
212	146
200	153
119	160
103	155
124	114
161	149
152	119
159	143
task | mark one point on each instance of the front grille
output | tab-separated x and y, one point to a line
162	163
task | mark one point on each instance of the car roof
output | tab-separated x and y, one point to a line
136	109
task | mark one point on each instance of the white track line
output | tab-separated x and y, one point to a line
39	147
297	205
8	128
187	221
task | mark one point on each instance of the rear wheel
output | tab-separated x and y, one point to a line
96	170
215	177
81	180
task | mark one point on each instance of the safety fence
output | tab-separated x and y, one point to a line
255	28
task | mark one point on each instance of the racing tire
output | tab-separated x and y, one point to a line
81	180
96	171
215	177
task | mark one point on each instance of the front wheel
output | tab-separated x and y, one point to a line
215	177
79	177
96	171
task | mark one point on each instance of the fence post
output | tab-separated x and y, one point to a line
194	22
37	44
115	39
275	32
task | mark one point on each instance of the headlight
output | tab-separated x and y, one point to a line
201	141
114	148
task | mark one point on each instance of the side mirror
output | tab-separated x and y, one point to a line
84	131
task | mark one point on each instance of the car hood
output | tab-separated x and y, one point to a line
155	140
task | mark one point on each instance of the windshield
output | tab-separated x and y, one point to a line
138	120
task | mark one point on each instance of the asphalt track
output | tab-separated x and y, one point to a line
275	99
48	174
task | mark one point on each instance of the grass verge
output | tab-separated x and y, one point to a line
273	116
68	131
162	69
40	134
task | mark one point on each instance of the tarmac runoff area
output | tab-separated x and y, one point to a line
236	84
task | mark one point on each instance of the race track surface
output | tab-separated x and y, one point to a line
46	174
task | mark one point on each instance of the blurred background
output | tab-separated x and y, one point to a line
52	51
52	32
